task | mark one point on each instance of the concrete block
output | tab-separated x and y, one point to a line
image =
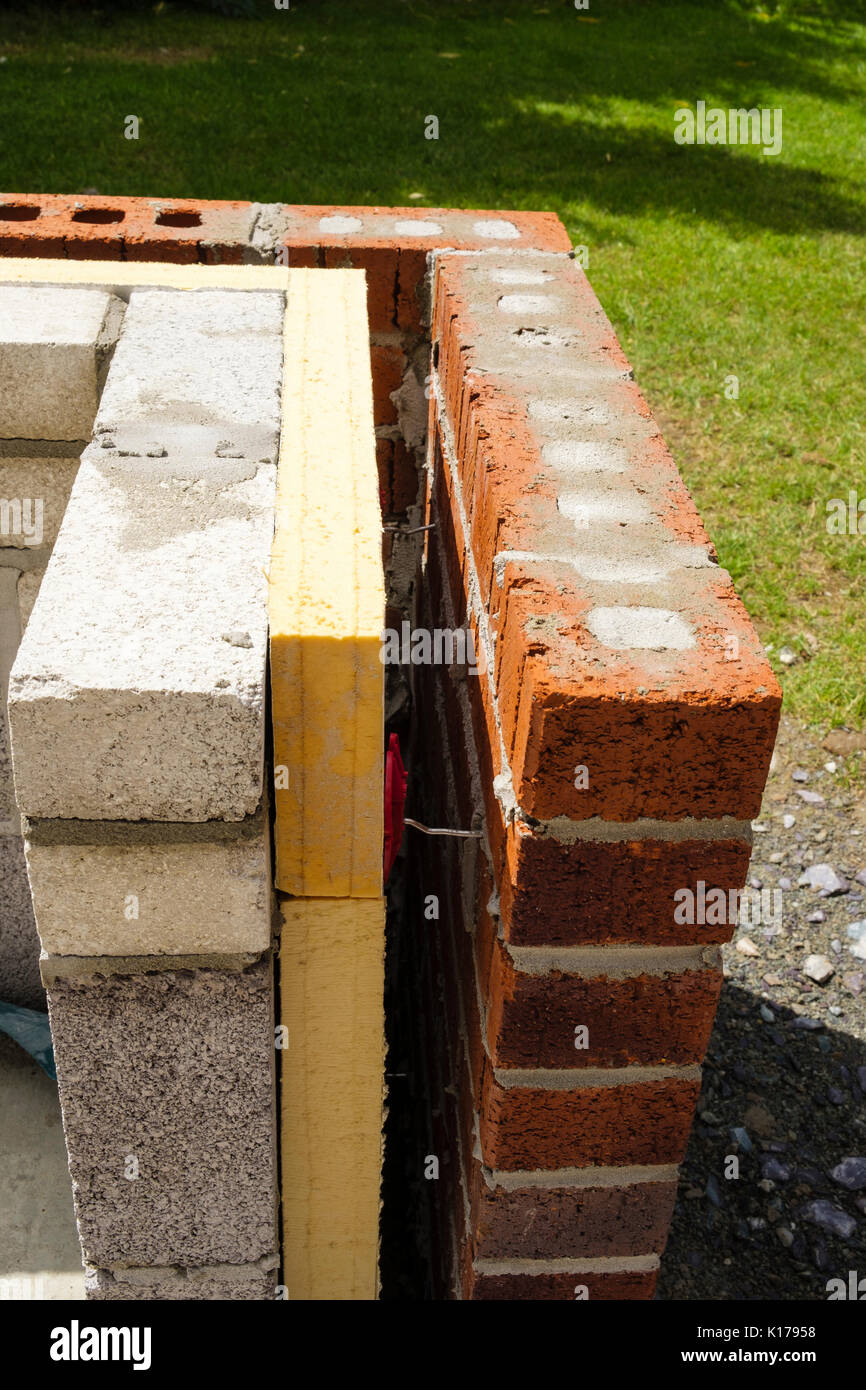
196	375
19	944
54	344
327	600
132	898
33	497
170	1076
138	692
332	955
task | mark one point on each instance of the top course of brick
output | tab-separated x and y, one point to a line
391	244
88	227
614	639
125	229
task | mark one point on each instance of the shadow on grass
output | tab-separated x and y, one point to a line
536	109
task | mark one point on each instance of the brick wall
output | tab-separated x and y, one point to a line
548	1012
612	752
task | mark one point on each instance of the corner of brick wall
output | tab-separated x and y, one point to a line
613	746
562	537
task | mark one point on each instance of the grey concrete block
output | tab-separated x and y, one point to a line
196	373
170	1075
138	693
136	899
54	342
139	688
231	1283
34	493
19	943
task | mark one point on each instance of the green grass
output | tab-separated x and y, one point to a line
711	261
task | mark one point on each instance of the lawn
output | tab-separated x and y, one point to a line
713	262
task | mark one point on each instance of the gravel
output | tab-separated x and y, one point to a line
784	1086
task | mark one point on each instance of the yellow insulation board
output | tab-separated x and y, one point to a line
327	599
332	955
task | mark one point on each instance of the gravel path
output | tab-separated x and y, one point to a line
784	1086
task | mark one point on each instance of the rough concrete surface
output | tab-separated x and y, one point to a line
53	346
196	373
170	1075
138	690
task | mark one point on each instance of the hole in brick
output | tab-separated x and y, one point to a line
178	219
98	215
18	212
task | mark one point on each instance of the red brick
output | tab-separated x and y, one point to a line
396	264
385	470
388	364
593	892
639	1020
533	1125
695	740
534	1222
645	1122
564	696
90	227
550	1221
305	257
571	891
411	274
